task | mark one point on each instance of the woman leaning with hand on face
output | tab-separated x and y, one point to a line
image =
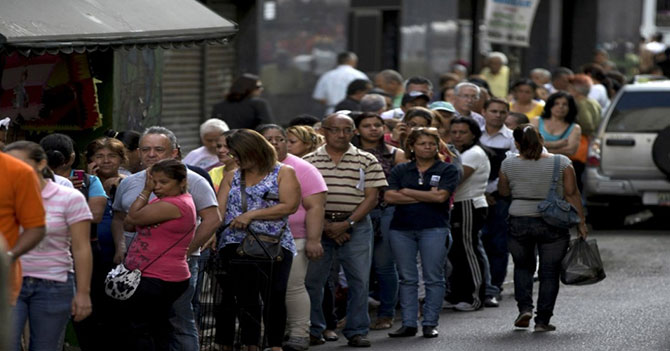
50	293
420	191
165	227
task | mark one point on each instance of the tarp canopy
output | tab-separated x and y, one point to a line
35	27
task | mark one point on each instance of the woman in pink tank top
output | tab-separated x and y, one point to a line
165	227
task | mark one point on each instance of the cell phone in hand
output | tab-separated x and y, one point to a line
79	174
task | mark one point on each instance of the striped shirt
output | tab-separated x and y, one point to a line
531	179
348	179
51	258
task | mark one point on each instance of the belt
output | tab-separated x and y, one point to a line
337	216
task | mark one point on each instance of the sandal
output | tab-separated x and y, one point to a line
382	323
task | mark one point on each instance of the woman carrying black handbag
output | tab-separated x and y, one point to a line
256	201
528	178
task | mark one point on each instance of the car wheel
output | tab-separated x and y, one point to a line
661	151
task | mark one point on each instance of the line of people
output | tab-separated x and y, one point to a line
418	194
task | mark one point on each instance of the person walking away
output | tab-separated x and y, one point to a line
420	191
528	232
243	107
331	87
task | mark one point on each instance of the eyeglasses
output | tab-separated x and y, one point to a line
346	131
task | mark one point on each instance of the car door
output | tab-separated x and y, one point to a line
631	130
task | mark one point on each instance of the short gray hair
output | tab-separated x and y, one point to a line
213	125
498	55
372	103
462	85
163	131
541	71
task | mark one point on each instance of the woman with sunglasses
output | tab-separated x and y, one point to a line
420	190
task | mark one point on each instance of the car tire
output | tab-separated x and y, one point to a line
661	151
606	217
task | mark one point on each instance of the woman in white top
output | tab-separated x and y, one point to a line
468	217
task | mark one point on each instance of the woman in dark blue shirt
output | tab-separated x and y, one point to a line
420	189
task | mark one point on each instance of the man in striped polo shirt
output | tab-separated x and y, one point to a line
353	177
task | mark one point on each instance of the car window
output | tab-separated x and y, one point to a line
641	112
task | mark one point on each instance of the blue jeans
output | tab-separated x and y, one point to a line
202	263
185	334
431	244
525	235
382	258
46	304
494	237
355	257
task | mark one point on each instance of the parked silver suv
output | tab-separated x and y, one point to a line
628	164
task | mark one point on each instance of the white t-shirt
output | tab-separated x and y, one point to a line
598	92
332	86
201	157
474	186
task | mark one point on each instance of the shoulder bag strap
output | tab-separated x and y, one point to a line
159	256
168	249
554	176
243	191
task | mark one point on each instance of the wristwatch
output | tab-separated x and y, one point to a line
351	222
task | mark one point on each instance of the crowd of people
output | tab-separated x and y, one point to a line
413	196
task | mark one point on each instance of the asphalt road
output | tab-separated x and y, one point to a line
627	311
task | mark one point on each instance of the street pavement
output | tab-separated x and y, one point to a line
627	311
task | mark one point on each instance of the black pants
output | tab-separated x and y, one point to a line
146	315
467	279
93	332
259	282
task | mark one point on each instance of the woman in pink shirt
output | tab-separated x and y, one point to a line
165	227
48	296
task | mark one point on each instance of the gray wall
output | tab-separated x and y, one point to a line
428	37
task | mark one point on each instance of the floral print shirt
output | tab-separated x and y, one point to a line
262	195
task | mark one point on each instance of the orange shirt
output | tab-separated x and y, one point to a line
20	206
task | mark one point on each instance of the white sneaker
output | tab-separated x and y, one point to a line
447	305
464	306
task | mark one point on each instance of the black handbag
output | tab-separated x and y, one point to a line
259	245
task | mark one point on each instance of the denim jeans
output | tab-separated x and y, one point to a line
431	244
46	304
494	237
525	235
202	263
385	269
355	256
185	334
